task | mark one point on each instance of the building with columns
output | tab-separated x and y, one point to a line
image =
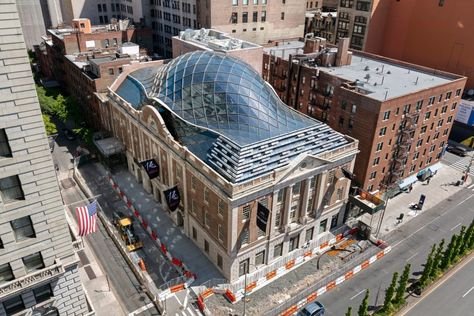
222	136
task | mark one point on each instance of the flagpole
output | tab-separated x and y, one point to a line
84	200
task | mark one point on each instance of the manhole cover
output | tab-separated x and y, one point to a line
67	183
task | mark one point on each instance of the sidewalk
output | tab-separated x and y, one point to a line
178	244
440	188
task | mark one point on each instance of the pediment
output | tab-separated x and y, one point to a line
300	165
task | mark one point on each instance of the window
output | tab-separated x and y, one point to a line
354	108
14	305
43	293
339	194
297	188
347	3
195	234
309	234
206	195
255	2
245	2
206	246
376	161
386	115
5	150
431	100
440	123
363	5
382	132
450	119
206	218
351	123
193	183
278	250
416	155
427	115
322	226
264	1
423	129
235	2
334	220
220	233
419	105
260	258
33	262
282	16
99	7
111	71
379	146
246	212
373	175
255	16
244	267
293	243
448	95
244	239
219	261
444	109
441	3
359	29
101	19
263	16
419	142
220	207
234	18
453	107
10	189
245	17
440	97
331	175
6	273
458	92
22	228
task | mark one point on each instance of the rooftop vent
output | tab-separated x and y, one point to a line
389	72
366	68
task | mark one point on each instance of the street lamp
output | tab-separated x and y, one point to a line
245	284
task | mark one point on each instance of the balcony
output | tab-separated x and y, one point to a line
43	275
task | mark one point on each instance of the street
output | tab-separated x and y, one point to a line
411	244
454	297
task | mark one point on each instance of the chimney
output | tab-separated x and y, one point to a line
83	25
342	57
311	45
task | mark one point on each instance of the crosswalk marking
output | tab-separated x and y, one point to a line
459	164
471	186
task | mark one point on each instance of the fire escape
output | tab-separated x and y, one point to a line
401	149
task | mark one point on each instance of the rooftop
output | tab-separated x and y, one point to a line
120	25
376	78
214	40
227	115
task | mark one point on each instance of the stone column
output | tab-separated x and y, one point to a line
287	207
274	207
304	197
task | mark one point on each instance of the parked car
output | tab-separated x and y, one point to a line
69	134
312	309
457	150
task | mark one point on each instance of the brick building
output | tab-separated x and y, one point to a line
220	134
257	21
400	113
321	24
87	59
38	263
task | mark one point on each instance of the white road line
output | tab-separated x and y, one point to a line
141	309
357	294
472	288
411	257
455	227
471	186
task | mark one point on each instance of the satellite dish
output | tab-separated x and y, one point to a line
470	92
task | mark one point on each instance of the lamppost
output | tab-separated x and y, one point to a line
245	284
391	189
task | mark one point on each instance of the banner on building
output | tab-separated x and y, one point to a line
262	217
151	168
172	198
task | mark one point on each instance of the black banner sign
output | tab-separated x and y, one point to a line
151	168
262	217
422	201
172	198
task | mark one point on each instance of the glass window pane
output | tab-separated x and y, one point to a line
33	262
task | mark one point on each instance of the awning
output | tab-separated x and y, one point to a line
407	181
435	167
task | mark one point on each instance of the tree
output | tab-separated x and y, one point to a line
464	241
402	285
60	110
448	253
387	303
456	246
471	236
364	306
427	270
50	126
46	102
437	259
349	311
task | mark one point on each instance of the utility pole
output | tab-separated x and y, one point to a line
468	169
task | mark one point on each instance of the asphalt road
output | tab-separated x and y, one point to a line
411	244
125	286
454	297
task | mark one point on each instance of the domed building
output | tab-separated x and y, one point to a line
221	135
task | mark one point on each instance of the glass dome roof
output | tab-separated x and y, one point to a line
226	95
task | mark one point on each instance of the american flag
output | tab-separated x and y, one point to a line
87	218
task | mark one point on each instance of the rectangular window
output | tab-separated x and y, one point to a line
450	119
431	100
339	194
10	189
244	239
206	246
195	234
6	273
33	262
453	107
264	1
245	2
282	16
235	2
220	207
322	226
255	2
263	16
5	150
334	221
427	115
448	95
373	175
383	131
244	267
309	234
234	18
246	212
206	195
206	218
260	258
280	195
43	293
245	17
419	105
277	250
219	261
220	232
255	16
293	243
23	228
193	183
379	146
99	8
440	97
458	92
376	161
423	129
14	305
386	115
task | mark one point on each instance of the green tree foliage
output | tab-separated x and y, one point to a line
46	101
425	276
389	292
50	126
437	259
364	306
471	236
402	285
456	247
463	236
349	311
448	253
